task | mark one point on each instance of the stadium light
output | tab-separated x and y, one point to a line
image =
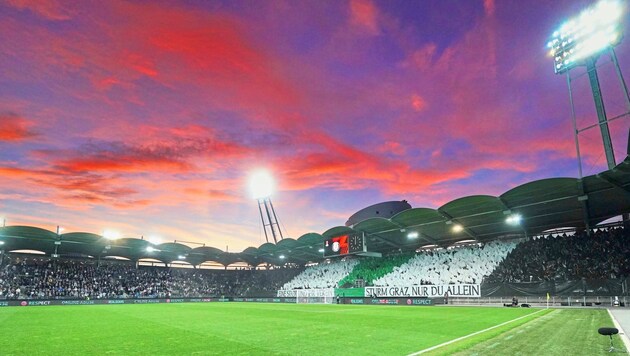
281	257
321	250
457	228
150	248
111	235
181	257
514	219
261	184
1	242
413	235
595	29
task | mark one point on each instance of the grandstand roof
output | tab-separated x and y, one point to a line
543	205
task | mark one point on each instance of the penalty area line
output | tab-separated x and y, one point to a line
473	334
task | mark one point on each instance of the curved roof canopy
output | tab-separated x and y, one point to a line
540	205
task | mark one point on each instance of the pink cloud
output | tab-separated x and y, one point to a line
417	102
49	9
14	127
364	15
489	7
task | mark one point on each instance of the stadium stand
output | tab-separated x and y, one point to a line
323	275
44	278
534	266
467	264
371	268
603	255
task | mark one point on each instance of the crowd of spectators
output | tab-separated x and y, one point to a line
604	254
43	278
371	268
323	275
460	265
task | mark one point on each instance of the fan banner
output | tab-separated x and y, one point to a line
428	291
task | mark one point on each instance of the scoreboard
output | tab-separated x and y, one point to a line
344	245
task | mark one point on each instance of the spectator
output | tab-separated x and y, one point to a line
603	255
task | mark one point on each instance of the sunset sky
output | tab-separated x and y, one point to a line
147	117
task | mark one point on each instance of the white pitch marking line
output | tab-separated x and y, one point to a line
622	335
473	334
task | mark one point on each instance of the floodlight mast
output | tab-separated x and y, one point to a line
261	185
580	42
272	219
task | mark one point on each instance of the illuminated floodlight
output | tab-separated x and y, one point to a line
413	235
281	257
321	250
261	184
514	219
181	257
111	235
1	242
594	30
150	248
457	228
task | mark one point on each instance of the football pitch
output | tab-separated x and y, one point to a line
289	329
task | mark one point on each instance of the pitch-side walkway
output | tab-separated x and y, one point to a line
621	318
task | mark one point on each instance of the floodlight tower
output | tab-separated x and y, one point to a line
579	42
261	186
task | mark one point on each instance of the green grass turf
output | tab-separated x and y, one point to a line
560	332
260	329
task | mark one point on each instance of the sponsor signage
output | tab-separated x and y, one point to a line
175	300
146	301
389	301
373	301
293	293
199	300
77	302
384	301
427	291
422	301
25	303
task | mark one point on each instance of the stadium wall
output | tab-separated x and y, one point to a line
582	287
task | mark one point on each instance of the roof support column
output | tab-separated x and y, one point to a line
583	198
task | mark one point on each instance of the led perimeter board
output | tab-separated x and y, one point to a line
345	245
